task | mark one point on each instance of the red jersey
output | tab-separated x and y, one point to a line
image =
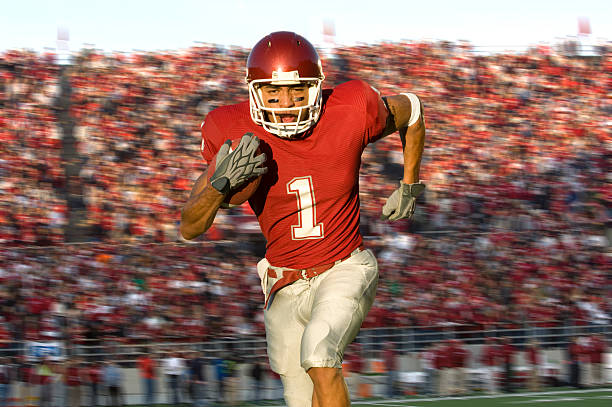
533	356
146	366
390	359
598	348
491	355
95	374
73	377
307	204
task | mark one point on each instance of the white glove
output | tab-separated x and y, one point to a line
239	165
402	201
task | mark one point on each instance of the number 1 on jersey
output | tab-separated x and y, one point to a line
307	227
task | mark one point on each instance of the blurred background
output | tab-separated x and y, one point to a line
100	108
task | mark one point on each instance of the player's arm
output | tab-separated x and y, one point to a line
201	208
232	169
406	116
411	125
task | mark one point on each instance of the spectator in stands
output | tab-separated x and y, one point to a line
113	379
221	375
444	366
507	351
196	366
456	355
533	360
391	365
597	351
94	377
74	377
173	367
427	359
585	361
353	369
25	377
232	380
5	337
277	386
44	373
462	354
58	383
257	378
574	351
491	359
146	367
5	380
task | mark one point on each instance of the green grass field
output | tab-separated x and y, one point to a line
561	398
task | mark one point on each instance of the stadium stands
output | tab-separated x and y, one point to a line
514	226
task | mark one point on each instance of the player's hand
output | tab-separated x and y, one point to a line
401	203
241	164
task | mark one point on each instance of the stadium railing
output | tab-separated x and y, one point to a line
403	340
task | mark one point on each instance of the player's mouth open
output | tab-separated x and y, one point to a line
287	118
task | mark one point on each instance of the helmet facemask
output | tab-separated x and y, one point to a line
307	115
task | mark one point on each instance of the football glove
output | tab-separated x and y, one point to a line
401	203
239	165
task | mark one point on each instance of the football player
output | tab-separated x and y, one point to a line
318	280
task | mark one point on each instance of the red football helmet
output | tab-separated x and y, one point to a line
284	58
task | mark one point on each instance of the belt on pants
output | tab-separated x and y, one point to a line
291	275
310	272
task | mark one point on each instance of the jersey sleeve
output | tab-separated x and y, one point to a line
376	113
212	138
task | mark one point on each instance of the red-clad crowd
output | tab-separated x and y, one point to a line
501	366
515	142
128	293
514	225
32	208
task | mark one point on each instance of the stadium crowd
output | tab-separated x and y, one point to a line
514	225
32	208
445	368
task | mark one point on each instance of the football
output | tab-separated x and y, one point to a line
239	195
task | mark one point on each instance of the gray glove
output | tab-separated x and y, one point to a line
402	201
233	168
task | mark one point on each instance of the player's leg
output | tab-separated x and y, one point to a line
329	387
341	298
284	330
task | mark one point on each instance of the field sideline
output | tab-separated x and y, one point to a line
601	397
562	398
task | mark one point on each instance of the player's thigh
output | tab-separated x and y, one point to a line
284	330
340	302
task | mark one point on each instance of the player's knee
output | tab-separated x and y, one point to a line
325	376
